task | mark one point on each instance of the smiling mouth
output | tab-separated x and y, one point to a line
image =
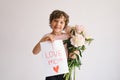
56	28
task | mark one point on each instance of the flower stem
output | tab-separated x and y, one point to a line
74	73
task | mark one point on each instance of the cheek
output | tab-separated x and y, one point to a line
63	26
51	25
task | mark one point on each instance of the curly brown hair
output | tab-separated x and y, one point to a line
57	14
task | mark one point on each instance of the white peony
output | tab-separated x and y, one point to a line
77	40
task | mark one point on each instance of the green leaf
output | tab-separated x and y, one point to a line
89	40
83	48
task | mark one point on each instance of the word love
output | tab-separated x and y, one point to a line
53	53
54	57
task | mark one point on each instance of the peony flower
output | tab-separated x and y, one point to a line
77	40
79	29
76	44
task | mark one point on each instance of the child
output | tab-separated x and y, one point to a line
58	21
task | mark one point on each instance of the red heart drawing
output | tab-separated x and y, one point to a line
56	68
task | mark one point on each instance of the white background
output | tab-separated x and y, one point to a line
24	22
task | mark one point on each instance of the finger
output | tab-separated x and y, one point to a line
51	37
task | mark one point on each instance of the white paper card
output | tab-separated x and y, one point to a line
54	58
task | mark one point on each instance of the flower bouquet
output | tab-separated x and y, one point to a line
76	44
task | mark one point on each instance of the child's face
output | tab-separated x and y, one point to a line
58	24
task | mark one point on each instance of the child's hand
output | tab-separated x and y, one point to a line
48	38
73	55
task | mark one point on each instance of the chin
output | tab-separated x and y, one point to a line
57	31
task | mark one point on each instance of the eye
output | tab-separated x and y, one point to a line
55	20
61	22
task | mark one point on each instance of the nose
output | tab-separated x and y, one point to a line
58	23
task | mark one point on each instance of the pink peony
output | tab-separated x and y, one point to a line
79	29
